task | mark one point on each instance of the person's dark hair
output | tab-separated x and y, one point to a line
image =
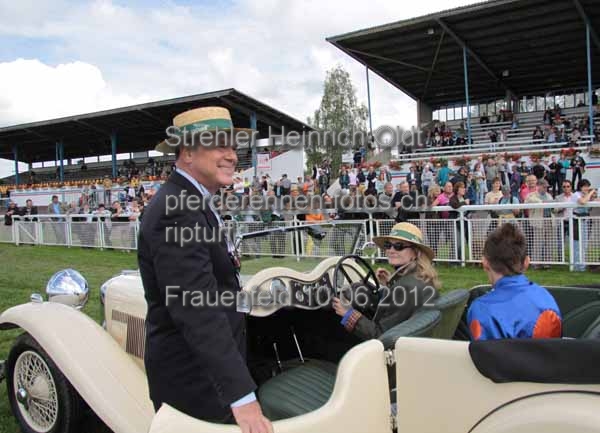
582	183
567	181
458	185
54	196
506	250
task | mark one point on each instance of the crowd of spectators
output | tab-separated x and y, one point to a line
441	135
126	205
479	174
558	128
555	128
127	172
489	181
122	207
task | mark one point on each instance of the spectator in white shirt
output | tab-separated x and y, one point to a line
238	187
583	195
353	180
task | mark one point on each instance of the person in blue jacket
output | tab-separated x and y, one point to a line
516	307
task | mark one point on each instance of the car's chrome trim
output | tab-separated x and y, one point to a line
36	298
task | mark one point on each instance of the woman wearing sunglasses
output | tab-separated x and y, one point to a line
413	284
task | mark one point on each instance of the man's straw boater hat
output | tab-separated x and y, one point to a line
405	232
199	121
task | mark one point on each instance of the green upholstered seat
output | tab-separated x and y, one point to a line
298	390
578	320
451	305
593	331
420	324
308	386
571	298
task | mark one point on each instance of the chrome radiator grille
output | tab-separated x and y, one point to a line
136	332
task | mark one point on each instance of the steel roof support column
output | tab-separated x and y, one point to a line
253	144
466	74
369	105
435	57
113	146
16	157
61	157
589	71
473	54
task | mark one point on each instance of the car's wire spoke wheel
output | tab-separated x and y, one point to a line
41	397
35	391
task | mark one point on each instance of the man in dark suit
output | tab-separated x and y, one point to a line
29	210
195	352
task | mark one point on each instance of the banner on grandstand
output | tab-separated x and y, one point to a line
263	161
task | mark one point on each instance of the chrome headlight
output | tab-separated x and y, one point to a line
68	287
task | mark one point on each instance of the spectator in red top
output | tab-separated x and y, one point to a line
444	199
528	187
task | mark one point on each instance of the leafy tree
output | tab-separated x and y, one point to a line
339	111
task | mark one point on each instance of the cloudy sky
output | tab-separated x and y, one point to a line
67	57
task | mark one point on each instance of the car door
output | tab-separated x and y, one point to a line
359	403
440	389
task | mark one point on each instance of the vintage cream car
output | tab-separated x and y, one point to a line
312	376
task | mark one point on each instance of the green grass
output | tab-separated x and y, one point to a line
26	269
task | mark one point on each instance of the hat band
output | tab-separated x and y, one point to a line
406	235
205	125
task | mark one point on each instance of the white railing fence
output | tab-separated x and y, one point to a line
560	239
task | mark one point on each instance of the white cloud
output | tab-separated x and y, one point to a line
31	90
103	54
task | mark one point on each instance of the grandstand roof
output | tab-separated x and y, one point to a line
138	127
541	43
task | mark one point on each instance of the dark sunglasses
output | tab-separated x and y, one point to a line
397	246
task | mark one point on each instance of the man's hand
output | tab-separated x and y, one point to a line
251	419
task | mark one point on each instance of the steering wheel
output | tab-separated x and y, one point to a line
339	268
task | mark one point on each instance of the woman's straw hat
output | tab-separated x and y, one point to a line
406	232
199	121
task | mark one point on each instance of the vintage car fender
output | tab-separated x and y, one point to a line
359	403
101	372
440	389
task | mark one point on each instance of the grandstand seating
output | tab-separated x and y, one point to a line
524	133
517	140
98	170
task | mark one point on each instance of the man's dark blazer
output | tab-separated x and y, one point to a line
194	356
28	212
